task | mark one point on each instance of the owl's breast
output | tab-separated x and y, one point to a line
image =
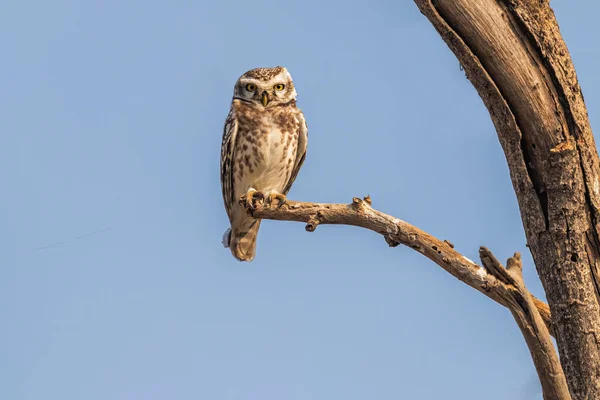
265	155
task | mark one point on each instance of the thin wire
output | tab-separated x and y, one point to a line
76	238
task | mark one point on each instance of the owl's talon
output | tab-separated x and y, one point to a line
281	199
252	199
258	198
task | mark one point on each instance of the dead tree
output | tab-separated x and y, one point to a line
513	53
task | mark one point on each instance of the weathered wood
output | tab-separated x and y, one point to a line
514	55
505	286
529	320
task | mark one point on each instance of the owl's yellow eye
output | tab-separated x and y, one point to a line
279	87
250	87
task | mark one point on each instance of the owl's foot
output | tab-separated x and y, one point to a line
280	199
252	199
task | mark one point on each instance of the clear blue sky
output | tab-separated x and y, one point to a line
114	284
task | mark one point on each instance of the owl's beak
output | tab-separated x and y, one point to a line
265	99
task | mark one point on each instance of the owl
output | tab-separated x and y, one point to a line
263	148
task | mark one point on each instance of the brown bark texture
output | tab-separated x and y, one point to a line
503	285
513	53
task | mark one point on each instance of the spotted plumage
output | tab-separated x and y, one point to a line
263	148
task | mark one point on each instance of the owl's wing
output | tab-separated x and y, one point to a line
300	153
227	150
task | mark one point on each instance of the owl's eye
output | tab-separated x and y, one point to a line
250	87
279	87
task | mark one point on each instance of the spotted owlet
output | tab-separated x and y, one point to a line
263	148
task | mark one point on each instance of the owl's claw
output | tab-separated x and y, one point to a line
252	199
281	199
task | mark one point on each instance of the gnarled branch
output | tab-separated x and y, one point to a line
529	320
503	285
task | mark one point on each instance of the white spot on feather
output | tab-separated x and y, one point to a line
596	186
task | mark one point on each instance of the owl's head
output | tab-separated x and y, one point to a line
267	87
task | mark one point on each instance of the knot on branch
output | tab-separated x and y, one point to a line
515	264
449	243
313	222
391	241
360	204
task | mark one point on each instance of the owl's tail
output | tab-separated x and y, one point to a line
242	239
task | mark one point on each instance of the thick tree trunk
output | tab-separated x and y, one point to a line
514	55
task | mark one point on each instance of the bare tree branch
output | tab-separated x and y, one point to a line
533	328
395	231
503	285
